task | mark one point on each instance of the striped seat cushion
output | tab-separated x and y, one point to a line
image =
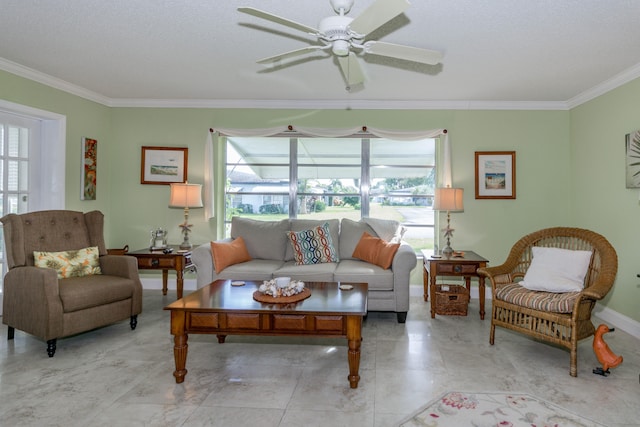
537	300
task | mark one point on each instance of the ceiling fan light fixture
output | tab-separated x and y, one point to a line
341	47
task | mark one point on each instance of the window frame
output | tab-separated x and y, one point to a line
364	190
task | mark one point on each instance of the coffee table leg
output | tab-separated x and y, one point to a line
354	339
180	345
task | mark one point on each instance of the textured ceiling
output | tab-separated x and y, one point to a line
122	52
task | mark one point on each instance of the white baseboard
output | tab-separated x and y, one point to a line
618	320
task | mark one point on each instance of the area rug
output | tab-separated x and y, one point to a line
455	409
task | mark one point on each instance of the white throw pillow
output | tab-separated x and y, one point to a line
557	270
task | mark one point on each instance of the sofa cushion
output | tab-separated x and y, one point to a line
351	270
78	293
264	239
225	254
376	251
313	246
307	273
350	234
543	301
557	270
256	269
72	263
306	224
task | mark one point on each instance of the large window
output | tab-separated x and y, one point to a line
320	178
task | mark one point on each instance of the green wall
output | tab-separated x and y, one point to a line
560	178
600	200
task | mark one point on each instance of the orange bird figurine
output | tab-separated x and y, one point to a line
605	356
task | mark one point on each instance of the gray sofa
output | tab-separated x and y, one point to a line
272	256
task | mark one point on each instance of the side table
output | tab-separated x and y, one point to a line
178	260
465	266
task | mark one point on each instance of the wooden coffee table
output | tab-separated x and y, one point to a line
222	309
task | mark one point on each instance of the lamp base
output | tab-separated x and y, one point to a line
186	244
448	250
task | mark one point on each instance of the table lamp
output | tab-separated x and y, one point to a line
185	195
450	200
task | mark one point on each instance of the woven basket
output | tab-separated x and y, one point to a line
453	302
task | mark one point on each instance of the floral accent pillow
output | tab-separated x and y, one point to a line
76	263
313	246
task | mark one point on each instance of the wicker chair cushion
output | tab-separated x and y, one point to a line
537	300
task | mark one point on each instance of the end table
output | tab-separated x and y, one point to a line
177	260
465	266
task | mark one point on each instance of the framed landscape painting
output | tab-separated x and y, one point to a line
495	174
163	165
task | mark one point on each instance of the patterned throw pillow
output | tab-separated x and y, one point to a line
313	246
77	263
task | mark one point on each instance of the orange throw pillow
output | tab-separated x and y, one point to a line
225	254
375	250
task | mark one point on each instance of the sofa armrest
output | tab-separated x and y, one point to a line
403	262
202	259
124	266
33	294
119	265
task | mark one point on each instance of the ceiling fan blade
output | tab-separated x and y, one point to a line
277	19
351	69
378	14
291	54
408	53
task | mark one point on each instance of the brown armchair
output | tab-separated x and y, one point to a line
557	318
37	302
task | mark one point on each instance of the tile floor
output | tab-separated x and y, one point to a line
118	377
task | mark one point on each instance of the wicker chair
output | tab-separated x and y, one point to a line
561	328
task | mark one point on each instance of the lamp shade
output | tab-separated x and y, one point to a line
448	199
185	195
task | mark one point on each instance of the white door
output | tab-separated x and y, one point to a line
31	144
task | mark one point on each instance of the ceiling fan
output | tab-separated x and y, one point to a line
345	37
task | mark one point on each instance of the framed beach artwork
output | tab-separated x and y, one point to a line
89	169
495	174
163	165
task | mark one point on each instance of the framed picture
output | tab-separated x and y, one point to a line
89	169
163	165
632	159
495	174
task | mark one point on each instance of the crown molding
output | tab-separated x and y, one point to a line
616	81
54	82
339	104
37	76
